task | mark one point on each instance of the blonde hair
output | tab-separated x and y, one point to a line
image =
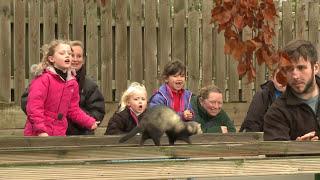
47	50
132	89
76	43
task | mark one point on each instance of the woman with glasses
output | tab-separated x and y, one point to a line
208	111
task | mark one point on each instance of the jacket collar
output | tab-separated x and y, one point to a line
53	71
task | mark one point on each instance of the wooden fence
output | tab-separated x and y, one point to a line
131	40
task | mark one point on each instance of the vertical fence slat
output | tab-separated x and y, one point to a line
77	20
150	46
92	49
19	48
314	22
121	63
34	31
5	52
246	93
219	60
63	19
207	45
300	26
178	31
193	50
233	81
287	22
48	21
136	70
164	33
106	50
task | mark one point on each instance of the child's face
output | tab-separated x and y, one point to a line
62	57
138	102
77	60
176	82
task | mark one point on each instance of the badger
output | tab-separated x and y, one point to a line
159	120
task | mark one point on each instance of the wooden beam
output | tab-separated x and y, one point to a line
99	154
25	142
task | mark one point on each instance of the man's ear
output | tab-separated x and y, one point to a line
316	68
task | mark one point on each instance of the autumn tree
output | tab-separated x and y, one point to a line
232	16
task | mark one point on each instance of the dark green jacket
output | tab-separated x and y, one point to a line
210	124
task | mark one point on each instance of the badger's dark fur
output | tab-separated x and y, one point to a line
159	120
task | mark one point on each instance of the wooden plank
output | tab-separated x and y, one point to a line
313	35
207	44
11	116
62	154
92	49
11	142
164	34
219	60
121	61
34	39
287	22
111	108
78	20
233	80
300	25
48	21
63	19
150	47
178	31
239	169
5	47
136	70
193	62
107	69
236	111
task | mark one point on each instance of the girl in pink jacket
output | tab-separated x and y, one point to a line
53	94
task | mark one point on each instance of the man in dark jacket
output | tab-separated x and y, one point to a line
296	115
260	103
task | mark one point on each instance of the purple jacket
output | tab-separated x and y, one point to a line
164	97
51	100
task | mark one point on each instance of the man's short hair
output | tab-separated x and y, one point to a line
301	48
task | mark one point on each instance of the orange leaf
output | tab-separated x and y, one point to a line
281	78
239	50
242	69
250	46
239	22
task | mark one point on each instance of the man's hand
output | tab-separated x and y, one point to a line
311	136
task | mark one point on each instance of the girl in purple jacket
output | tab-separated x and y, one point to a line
54	94
172	92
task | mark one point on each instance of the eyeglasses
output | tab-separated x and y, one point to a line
212	103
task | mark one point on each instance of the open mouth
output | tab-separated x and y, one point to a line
67	61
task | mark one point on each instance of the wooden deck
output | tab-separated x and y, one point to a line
101	157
